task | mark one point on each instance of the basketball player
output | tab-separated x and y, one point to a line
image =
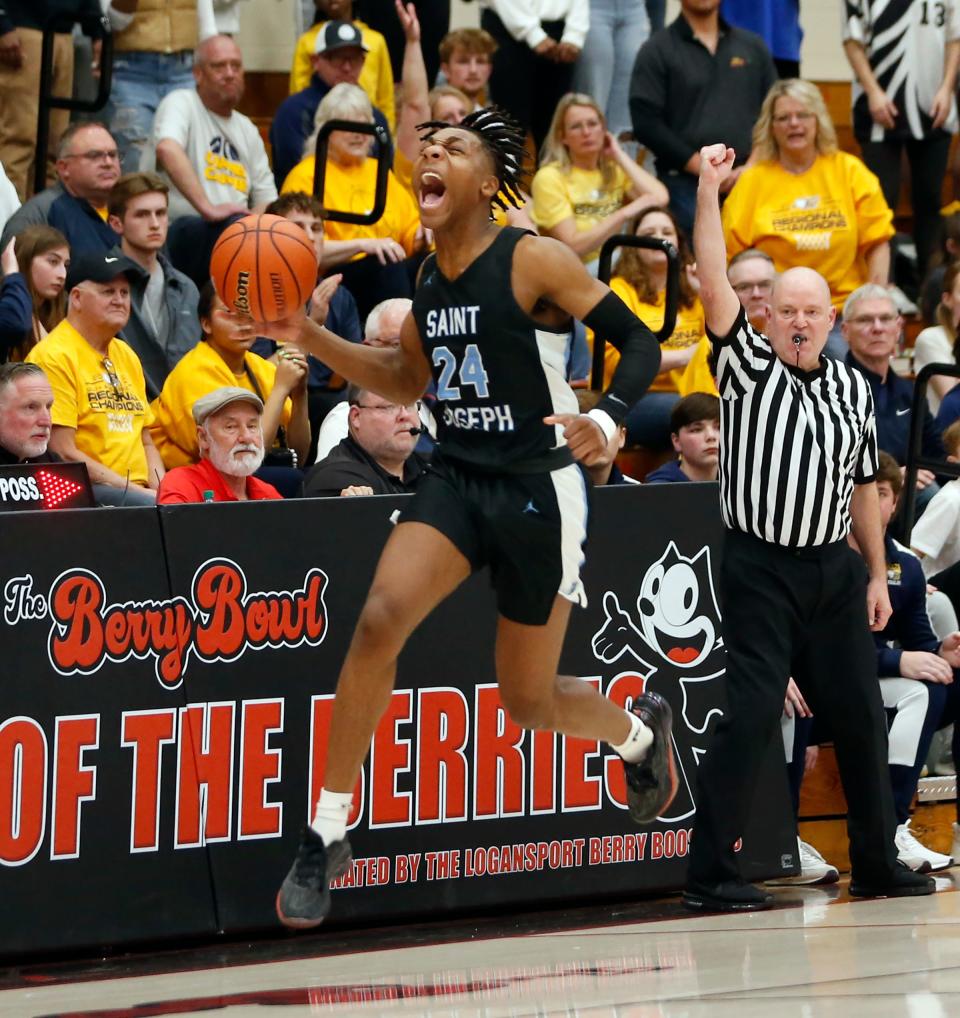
491	320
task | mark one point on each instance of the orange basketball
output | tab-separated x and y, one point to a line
264	266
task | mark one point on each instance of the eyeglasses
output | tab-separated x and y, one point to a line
96	155
764	286
885	319
392	409
785	118
112	377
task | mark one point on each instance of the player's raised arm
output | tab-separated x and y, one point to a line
720	303
399	373
557	275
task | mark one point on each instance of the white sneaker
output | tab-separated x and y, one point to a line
814	869
918	857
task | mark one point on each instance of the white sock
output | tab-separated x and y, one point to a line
634	748
331	815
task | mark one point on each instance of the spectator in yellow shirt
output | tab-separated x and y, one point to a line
223	358
640	281
587	187
100	410
376	78
339	57
379	251
805	202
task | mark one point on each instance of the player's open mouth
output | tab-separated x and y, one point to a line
683	651
432	190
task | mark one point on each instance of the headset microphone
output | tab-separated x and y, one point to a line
417	431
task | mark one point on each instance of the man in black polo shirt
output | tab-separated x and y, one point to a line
25	423
376	457
798	464
696	82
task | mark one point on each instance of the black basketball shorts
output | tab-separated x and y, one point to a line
529	528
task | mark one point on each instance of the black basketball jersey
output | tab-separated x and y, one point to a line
498	373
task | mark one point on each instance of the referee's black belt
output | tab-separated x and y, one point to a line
809	552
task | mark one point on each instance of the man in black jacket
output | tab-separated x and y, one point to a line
376	457
696	82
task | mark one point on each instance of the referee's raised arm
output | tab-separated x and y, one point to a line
720	304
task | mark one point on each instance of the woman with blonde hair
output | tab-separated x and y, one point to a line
43	255
804	202
587	187
373	256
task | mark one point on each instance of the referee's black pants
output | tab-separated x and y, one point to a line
802	613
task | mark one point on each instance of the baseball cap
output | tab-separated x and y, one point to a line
100	268
208	405
338	35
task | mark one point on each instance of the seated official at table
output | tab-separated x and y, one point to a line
230	438
377	457
25	424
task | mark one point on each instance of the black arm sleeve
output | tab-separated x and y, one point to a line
612	321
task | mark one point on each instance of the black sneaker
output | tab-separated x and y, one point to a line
727	896
303	900
652	783
901	883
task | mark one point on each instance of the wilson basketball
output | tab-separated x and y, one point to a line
264	266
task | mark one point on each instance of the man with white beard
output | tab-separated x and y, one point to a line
230	438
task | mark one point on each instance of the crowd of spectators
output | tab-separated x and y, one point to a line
121	355
175	161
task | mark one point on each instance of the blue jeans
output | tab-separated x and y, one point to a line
140	81
618	28
107	494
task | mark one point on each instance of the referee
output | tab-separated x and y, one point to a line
798	458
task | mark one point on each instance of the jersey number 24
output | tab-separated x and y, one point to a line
471	372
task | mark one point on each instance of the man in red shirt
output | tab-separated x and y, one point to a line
231	450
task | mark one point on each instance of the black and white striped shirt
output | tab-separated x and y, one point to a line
905	41
792	443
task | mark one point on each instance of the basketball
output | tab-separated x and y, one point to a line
264	266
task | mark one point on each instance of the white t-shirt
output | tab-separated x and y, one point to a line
9	199
227	153
937	532
932	346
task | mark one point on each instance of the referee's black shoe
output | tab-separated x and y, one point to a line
901	883
727	896
303	900
652	783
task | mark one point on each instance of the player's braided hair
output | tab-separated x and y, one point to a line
503	139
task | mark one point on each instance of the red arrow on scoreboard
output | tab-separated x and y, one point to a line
56	489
